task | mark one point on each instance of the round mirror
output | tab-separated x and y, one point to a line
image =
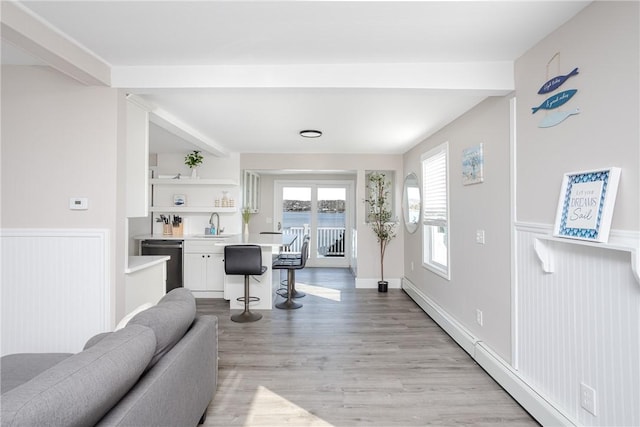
411	202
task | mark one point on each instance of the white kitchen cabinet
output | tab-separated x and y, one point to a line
251	190
203	269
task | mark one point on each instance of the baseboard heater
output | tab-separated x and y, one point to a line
508	378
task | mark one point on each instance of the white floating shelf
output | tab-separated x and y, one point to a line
194	209
545	253
198	181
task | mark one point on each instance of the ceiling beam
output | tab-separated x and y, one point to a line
479	78
33	35
180	129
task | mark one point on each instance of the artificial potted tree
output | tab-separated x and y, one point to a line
379	215
193	160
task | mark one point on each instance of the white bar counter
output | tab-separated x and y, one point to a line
259	286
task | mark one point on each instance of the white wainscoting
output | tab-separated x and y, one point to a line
55	288
536	404
580	323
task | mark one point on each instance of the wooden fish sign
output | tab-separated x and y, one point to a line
555	101
556	117
556	82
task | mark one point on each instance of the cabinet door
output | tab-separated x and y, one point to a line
215	272
195	271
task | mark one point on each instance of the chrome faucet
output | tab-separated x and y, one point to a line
217	222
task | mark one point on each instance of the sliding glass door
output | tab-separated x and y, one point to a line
322	210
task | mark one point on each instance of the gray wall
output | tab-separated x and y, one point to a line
61	139
480	274
603	41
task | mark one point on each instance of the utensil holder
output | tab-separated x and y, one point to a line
167	230
177	230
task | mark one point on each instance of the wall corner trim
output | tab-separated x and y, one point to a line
508	378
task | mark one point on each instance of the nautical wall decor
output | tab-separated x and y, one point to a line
553	118
555	101
585	207
556	82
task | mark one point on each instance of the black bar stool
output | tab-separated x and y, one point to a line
294	292
244	260
291	265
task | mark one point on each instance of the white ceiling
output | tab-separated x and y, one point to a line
375	77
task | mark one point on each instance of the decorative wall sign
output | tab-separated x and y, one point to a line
586	203
556	117
556	82
472	165
555	101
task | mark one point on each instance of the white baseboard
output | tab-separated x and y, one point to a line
539	407
373	283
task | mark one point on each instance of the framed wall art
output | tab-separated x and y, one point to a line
586	203
472	165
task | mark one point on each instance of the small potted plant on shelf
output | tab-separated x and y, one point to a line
379	215
193	160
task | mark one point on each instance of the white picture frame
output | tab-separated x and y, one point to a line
585	206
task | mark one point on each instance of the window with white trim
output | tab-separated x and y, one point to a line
435	215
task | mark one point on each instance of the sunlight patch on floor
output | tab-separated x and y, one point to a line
319	291
271	409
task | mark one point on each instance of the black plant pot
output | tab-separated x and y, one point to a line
383	286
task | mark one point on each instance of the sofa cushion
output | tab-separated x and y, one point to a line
17	369
169	319
81	389
125	320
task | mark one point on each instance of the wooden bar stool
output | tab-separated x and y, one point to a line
244	260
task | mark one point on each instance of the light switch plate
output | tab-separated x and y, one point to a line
79	203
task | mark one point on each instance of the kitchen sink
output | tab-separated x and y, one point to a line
211	236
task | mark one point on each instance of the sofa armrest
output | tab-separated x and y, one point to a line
178	389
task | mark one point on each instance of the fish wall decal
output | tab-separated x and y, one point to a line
555	101
556	82
556	117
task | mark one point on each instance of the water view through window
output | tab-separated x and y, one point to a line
328	217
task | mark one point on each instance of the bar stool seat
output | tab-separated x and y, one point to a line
291	265
244	260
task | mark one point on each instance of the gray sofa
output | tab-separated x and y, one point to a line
159	370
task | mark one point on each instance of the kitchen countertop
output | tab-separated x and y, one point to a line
271	240
137	263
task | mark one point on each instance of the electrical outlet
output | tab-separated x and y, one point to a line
588	398
480	237
479	316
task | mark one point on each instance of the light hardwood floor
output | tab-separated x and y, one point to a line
349	357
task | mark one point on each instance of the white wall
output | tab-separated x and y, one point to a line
212	168
61	139
368	269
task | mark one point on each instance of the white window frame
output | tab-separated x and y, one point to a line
429	222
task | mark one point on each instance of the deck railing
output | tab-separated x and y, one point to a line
329	241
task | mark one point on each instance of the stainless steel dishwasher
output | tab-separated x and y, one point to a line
173	248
